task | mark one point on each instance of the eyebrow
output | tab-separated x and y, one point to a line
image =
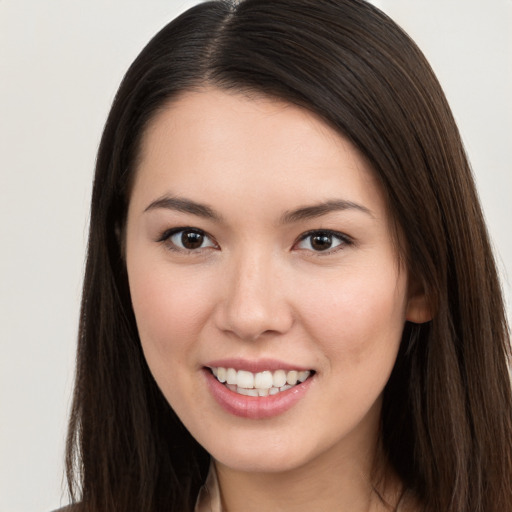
184	205
318	210
181	204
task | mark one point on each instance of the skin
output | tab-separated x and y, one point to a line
258	289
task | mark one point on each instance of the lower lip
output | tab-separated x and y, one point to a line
254	407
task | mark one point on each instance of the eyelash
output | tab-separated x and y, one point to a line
344	240
170	233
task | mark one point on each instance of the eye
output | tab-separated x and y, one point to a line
323	241
187	239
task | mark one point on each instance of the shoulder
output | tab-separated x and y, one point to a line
68	508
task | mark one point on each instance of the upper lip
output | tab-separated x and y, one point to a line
256	365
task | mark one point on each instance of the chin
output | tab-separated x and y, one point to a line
259	463
262	457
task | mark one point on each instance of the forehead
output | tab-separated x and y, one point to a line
229	145
209	113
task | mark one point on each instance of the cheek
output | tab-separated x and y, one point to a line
170	308
359	318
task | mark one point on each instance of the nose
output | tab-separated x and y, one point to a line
254	301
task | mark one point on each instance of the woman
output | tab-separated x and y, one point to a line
290	301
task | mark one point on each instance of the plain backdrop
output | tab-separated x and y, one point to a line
60	64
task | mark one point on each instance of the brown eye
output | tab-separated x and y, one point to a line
323	241
189	239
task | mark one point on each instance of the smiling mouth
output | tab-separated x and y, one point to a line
265	383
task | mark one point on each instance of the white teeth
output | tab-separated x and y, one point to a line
303	375
279	378
245	379
291	377
260	384
231	376
247	392
263	380
221	374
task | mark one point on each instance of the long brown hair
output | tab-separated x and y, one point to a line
447	409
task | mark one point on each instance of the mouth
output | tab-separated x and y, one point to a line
261	384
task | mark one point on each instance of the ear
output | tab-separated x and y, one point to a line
418	309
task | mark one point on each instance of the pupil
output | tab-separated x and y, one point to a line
191	240
321	242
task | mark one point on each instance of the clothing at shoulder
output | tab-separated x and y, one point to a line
209	495
68	508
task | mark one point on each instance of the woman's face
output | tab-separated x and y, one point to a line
259	250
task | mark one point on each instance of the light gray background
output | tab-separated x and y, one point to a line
60	64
